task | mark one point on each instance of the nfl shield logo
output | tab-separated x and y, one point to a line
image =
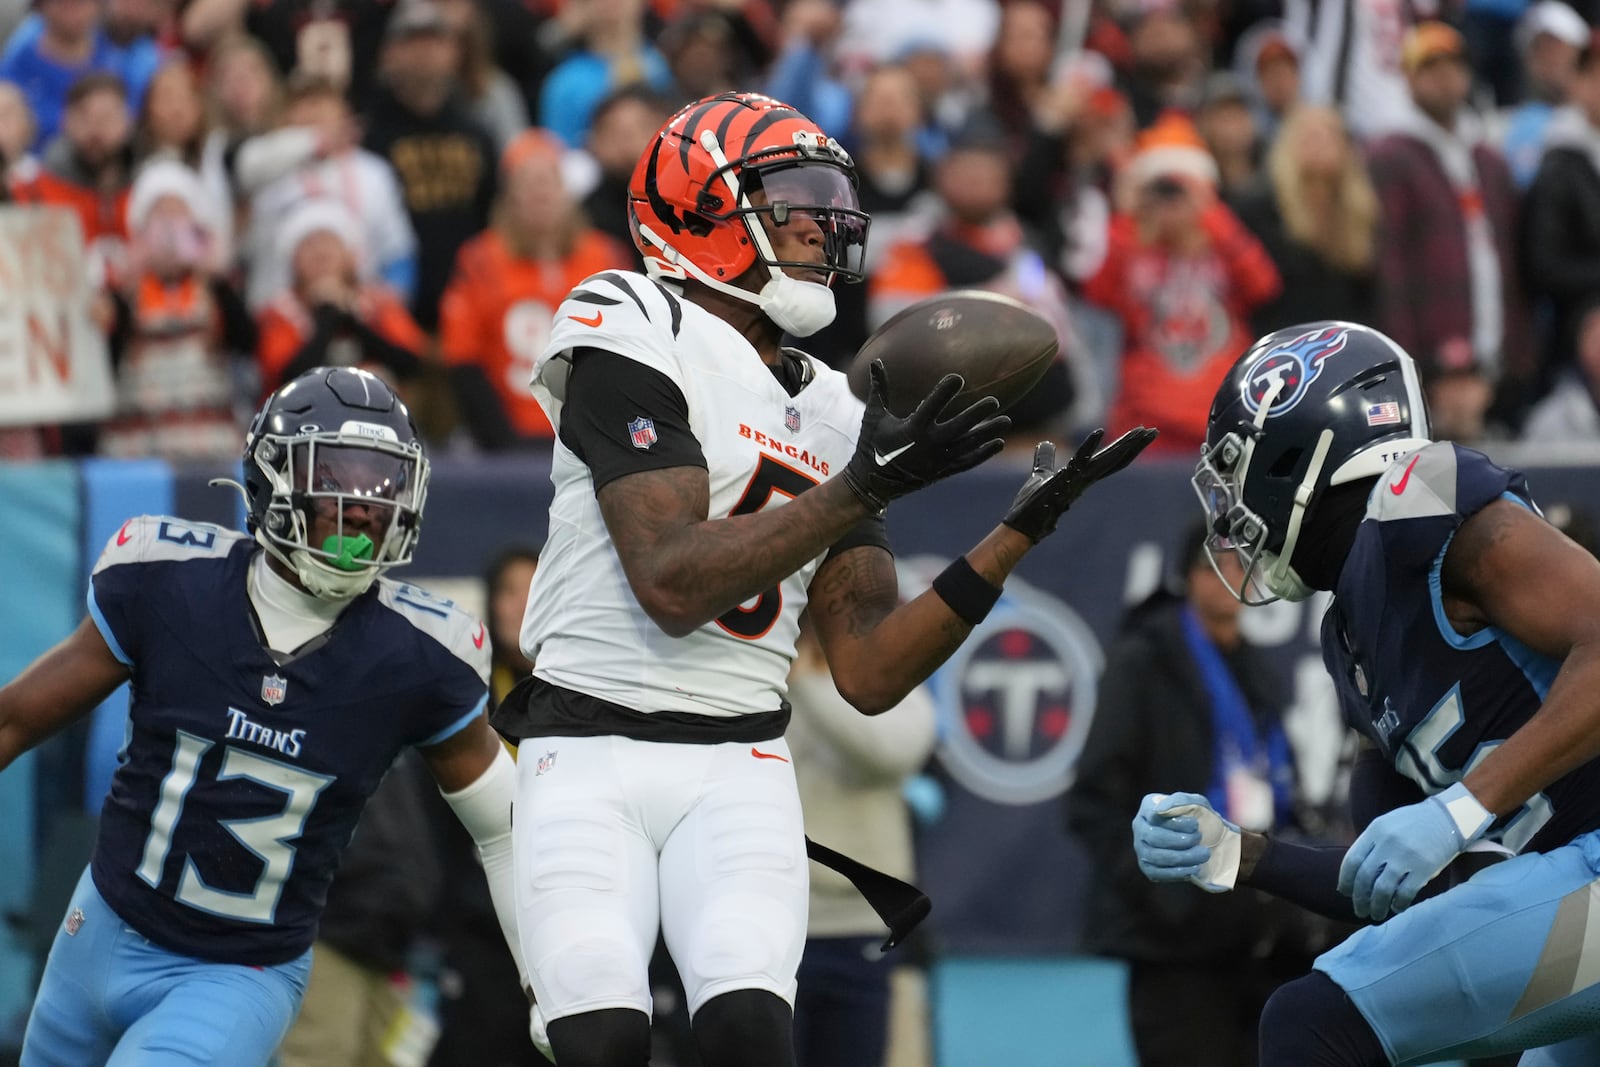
273	689
74	922
546	761
643	432
791	418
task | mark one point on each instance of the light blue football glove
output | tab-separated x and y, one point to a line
1180	838
1405	849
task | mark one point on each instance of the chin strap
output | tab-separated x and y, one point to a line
1280	577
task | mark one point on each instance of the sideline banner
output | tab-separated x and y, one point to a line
53	361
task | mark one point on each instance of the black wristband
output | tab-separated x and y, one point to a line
967	592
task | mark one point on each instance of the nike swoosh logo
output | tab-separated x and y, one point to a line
599	317
1399	487
122	534
889	457
758	754
477	638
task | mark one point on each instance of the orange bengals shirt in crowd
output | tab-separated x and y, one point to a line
1185	319
498	309
285	325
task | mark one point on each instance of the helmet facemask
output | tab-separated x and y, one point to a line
361	497
1233	528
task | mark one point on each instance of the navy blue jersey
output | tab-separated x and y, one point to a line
245	770
1434	700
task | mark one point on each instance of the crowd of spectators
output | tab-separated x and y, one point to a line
413	185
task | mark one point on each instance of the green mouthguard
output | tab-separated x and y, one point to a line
350	552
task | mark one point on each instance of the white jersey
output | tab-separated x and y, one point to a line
584	628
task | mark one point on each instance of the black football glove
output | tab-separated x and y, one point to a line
895	456
1050	490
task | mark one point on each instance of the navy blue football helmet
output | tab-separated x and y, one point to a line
335	444
1305	408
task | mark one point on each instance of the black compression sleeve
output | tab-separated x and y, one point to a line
622	417
869	531
1307	875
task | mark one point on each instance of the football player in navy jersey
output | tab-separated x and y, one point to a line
275	678
1464	643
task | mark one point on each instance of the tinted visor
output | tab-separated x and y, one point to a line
822	194
349	489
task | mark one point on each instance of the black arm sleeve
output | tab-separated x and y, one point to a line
1308	875
622	417
869	531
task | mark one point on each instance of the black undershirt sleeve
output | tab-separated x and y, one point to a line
869	531
621	417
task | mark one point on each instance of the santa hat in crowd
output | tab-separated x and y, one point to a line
160	179
1171	147
319	216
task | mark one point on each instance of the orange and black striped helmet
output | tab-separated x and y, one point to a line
725	159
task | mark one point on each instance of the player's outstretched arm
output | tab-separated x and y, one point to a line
60	686
1514	571
1509	569
878	649
687	568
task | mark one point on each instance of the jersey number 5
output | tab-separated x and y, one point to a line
752	620
270	838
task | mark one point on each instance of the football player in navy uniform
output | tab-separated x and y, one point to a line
1464	642
708	482
275	677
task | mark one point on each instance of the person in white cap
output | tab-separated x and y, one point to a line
1549	37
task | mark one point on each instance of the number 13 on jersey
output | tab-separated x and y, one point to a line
269	838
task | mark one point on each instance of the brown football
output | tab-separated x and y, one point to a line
1000	348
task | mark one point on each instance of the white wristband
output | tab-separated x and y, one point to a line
1470	817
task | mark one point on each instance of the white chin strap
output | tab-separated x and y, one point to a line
319	579
796	307
1279	577
330	583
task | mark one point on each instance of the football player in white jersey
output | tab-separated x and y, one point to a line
654	783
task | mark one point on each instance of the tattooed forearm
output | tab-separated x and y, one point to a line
687	569
880	649
858	586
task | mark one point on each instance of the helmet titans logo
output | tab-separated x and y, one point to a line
1284	371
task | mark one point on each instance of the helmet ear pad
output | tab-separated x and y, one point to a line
1328	530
